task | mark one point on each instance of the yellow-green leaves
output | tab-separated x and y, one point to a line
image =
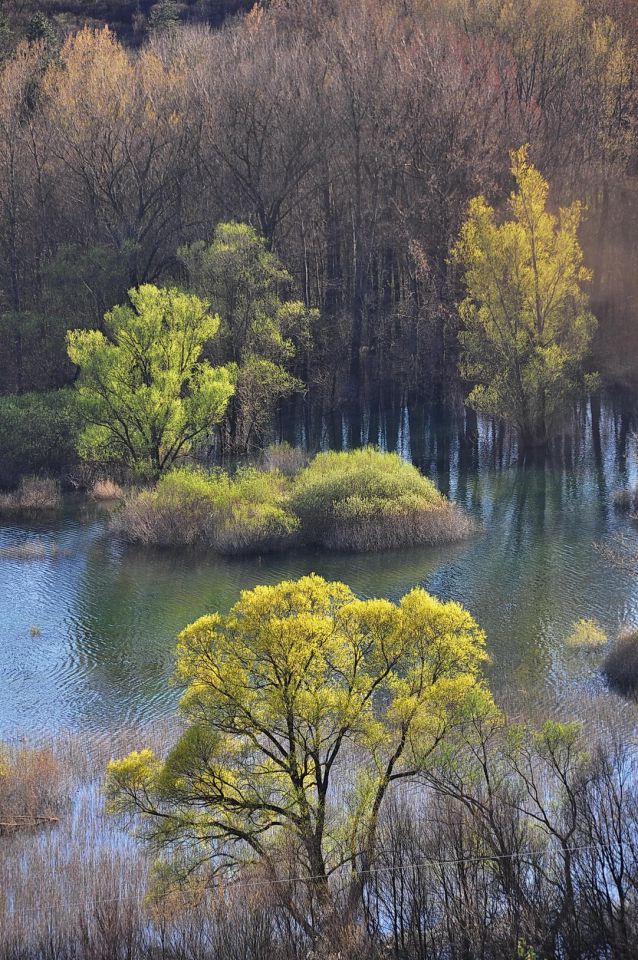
526	324
304	706
143	390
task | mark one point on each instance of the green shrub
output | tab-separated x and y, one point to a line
363	500
245	513
369	500
38	431
587	635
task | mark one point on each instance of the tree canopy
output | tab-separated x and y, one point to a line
263	330
143	390
282	695
526	324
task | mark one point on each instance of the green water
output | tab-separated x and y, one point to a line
107	615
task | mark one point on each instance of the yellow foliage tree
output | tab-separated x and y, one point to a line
305	707
526	323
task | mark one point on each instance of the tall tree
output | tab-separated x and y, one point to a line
262	330
145	393
526	324
124	142
281	695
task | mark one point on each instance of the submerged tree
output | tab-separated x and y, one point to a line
262	329
526	323
143	390
306	707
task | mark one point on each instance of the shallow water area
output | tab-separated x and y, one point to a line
88	625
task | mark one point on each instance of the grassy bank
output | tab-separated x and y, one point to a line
361	500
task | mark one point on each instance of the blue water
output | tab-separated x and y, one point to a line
87	631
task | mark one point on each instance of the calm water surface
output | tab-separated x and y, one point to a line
107	615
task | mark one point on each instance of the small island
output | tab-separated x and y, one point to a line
357	500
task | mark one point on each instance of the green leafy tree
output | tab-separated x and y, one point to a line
163	18
41	30
262	331
526	324
143	390
305	707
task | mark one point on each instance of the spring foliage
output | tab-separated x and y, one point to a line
261	331
279	693
357	500
370	500
143	390
526	323
243	513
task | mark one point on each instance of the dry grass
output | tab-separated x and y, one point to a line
147	520
284	459
106	490
32	495
444	524
32	788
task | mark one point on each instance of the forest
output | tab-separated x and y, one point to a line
318	480
350	137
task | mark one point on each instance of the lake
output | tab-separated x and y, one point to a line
88	625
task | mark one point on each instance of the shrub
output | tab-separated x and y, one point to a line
620	666
31	788
245	513
39	431
33	494
177	512
284	458
252	514
369	500
625	500
587	635
106	489
363	500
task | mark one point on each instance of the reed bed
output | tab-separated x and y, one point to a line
106	490
82	888
33	494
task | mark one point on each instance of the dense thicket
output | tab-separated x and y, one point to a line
350	135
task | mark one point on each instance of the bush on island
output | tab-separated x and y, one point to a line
620	666
369	500
360	500
244	513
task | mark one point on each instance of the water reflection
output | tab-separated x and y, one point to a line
108	616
